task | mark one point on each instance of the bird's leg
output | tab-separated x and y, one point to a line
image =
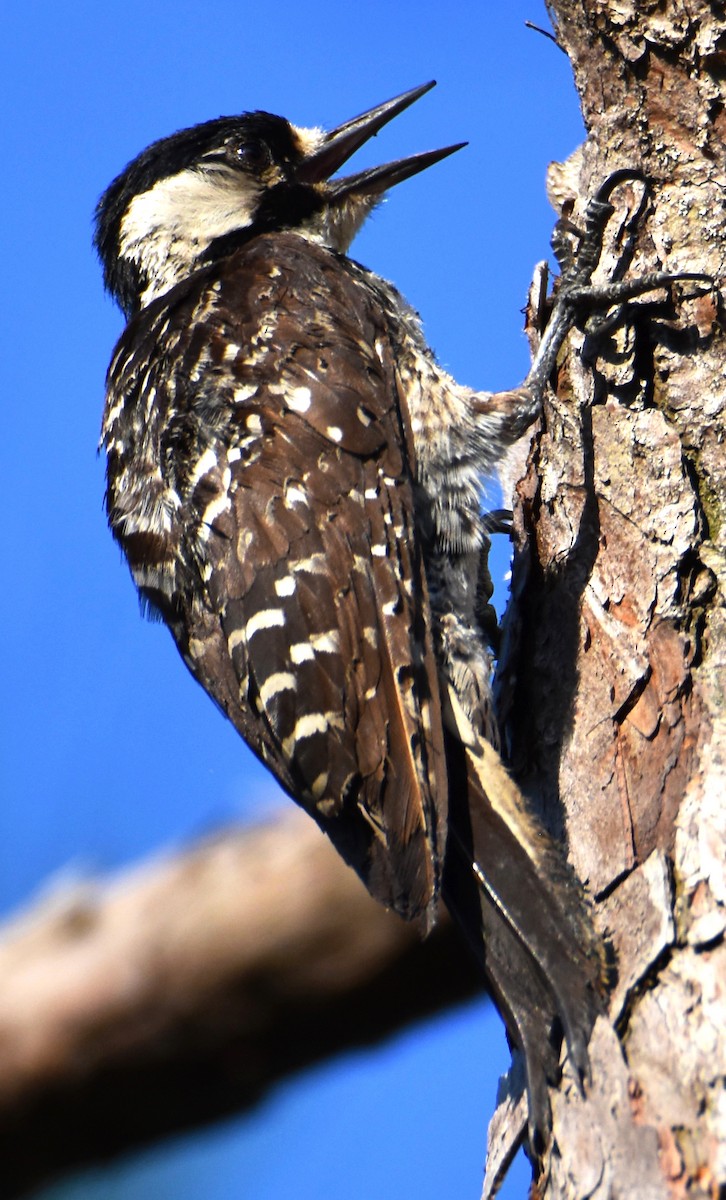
577	297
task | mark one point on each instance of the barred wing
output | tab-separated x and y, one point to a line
296	590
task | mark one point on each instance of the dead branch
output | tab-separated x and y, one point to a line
182	990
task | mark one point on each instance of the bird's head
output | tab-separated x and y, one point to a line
196	196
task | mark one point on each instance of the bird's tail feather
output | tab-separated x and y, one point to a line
521	909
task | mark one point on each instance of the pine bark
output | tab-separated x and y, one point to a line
612	675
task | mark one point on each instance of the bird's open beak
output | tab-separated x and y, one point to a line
341	143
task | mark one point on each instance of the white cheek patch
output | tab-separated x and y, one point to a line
165	229
186	204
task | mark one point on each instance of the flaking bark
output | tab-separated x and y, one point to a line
613	663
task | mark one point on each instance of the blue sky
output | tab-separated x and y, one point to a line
108	750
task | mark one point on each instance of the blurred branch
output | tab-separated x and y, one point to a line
182	990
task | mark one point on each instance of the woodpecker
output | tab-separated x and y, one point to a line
296	484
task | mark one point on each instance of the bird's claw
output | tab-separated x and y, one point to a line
575	293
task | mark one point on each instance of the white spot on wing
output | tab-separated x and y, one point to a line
204	465
319	785
215	508
281	681
305	727
320	643
294	495
316	564
299	399
326	643
245	391
268	618
310	724
301	652
236	638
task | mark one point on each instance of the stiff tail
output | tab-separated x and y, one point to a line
523	913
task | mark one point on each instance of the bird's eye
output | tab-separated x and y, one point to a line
250	154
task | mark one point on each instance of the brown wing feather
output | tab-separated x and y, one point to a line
297	517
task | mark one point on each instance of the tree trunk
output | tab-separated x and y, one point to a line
613	663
